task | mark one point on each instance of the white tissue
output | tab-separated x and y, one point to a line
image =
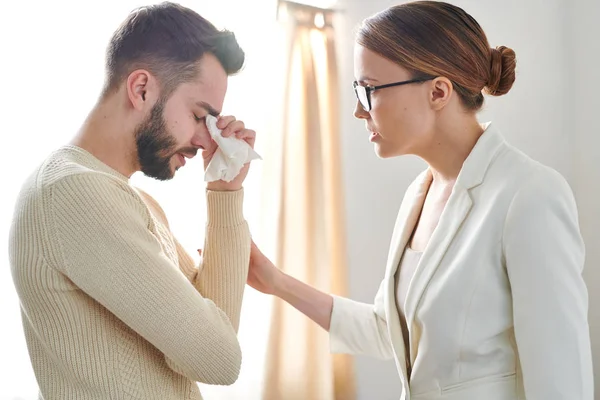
230	156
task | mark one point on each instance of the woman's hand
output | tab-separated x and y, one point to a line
265	277
262	274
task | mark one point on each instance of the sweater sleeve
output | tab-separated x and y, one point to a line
102	242
226	254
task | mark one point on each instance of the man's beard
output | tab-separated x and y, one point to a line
155	146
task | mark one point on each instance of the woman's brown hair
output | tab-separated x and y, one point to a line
431	38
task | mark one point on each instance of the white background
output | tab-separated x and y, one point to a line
51	70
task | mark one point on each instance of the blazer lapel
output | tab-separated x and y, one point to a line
456	210
407	219
454	213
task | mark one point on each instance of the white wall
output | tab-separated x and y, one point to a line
47	90
584	100
548	114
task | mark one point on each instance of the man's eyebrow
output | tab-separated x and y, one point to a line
208	108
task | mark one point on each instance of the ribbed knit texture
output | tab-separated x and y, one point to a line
112	306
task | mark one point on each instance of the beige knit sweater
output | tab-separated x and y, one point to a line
112	306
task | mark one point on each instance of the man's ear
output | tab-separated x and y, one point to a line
441	91
142	89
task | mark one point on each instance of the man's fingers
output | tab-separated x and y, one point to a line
248	135
233	127
223	121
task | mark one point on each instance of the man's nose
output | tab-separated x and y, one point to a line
201	137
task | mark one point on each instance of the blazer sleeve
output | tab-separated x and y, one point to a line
359	328
544	255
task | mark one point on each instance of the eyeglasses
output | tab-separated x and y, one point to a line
363	93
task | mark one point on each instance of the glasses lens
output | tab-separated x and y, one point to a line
361	94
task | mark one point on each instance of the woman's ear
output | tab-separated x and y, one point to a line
441	90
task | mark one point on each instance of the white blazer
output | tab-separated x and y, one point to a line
497	308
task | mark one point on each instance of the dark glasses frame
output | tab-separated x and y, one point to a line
363	93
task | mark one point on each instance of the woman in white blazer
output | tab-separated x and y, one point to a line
483	297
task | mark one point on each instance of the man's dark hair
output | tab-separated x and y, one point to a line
167	39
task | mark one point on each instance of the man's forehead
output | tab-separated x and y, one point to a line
206	96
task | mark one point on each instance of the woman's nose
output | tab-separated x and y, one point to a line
359	111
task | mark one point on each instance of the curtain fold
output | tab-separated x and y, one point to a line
310	236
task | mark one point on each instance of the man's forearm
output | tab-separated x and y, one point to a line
226	254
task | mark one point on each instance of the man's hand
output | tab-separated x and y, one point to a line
230	126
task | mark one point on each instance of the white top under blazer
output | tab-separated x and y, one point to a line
497	307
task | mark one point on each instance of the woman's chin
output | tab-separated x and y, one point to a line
383	151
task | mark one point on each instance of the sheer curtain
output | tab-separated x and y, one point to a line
310	243
52	72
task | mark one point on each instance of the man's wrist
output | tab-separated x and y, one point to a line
222	187
225	208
